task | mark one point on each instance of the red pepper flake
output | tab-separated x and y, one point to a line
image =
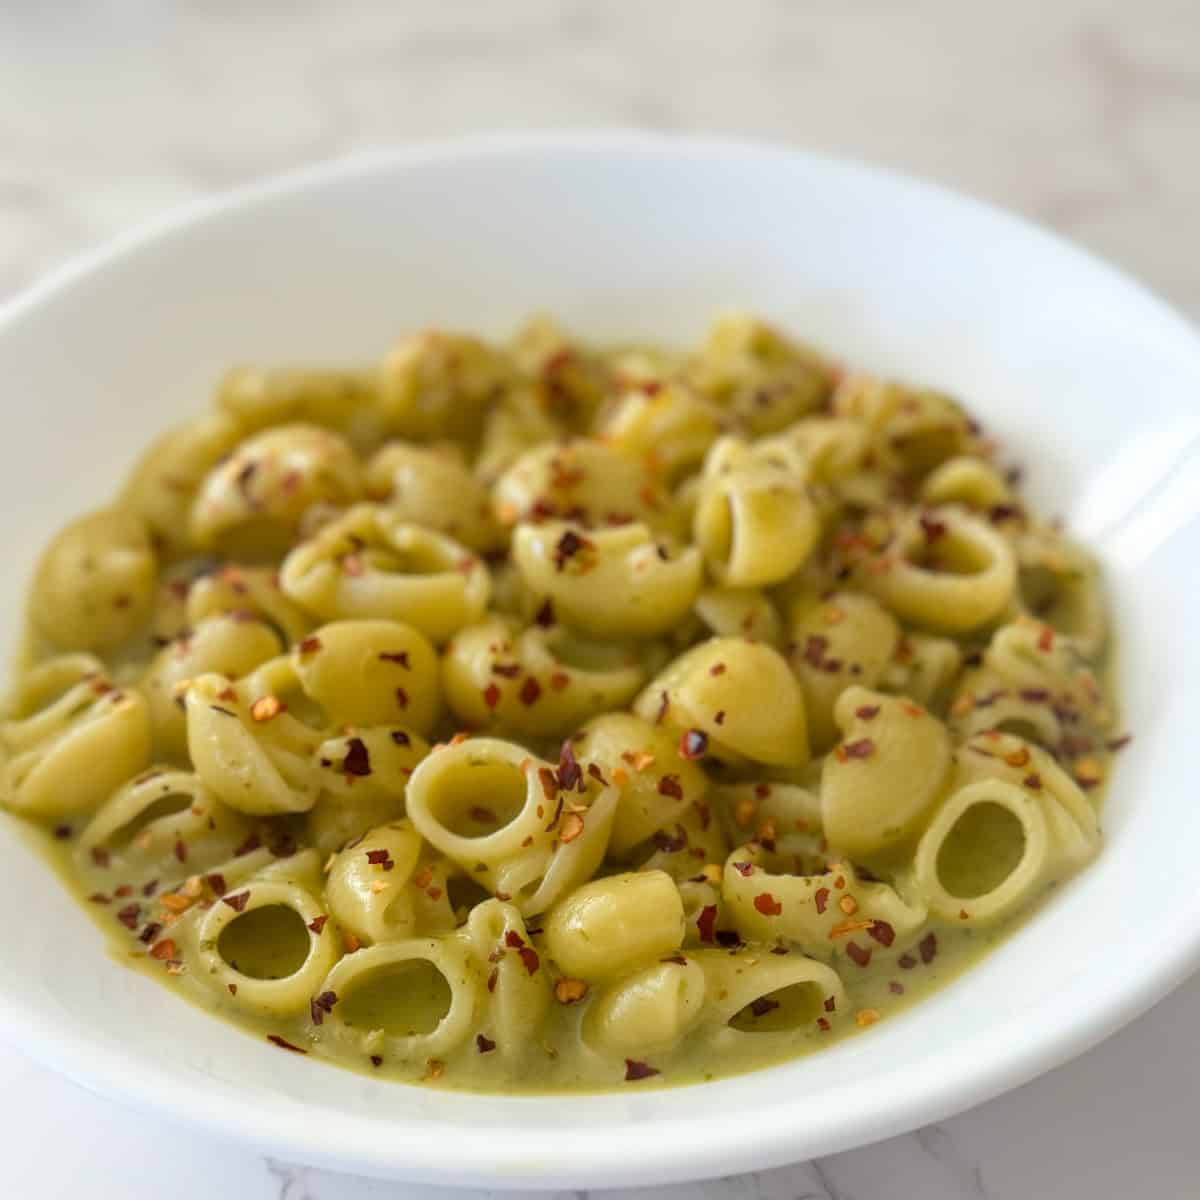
482	815
62	832
357	760
544	615
401	738
815	645
491	979
128	916
706	922
399	657
858	954
669	785
762	1006
594	771
530	691
559	681
569	545
932	527
635	1070
693	743
529	958
895	987
310	645
99	898
150	888
570	774
216	881
717	669
927	948
1018	757
232	988
906	962
1045	642
821	898
124	890
100	856
766	904
164	950
483	1044
320	1005
664	705
572	827
744	868
401	697
867	712
823	1024
284	1044
677	960
150	932
491	695
1033	782
318	923
513	938
1034	695
236	902
882	932
380	858
180	850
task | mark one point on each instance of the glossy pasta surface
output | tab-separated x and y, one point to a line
546	717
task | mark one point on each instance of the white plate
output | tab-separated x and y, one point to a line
1089	380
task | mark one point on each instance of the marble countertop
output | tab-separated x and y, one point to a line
1081	114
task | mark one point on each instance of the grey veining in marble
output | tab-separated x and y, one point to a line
1082	114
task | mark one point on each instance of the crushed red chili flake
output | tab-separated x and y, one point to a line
823	1024
400	658
357	760
530	691
236	902
481	814
491	979
506	670
717	669
100	898
669	785
252	843
150	932
1045	642
164	950
895	987
762	1006
376	1060
906	962
180	850
815	645
318	923
664	706
635	1070
821	898
128	916
401	697
529	958
830	1004
309	645
882	932
706	923
1034	695
284	1044
859	954
513	938
569	774
320	1005
148	889
380	858
862	748
100	856
927	948
491	695
62	832
744	868
1033	782
932	528
676	959
559	680
693	743
730	939
484	1045
867	712
544	615
216	881
766	904
569	545
124	890
594	771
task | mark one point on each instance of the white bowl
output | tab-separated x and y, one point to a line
1090	381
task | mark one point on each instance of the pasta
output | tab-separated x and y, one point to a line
552	716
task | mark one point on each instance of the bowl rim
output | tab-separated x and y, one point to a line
673	1150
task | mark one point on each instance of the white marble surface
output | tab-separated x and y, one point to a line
1084	114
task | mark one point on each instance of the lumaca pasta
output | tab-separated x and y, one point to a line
546	716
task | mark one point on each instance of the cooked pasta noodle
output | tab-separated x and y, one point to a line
552	716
